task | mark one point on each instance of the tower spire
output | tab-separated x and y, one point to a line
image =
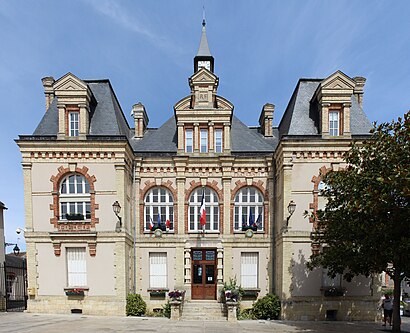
204	57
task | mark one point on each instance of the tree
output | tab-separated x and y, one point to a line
365	224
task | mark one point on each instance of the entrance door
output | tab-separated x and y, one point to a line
203	274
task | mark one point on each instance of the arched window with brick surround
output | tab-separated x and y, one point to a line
75	203
211	208
248	208
159	200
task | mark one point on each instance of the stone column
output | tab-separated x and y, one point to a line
325	119
83	120
211	136
196	137
187	266
181	142
61	121
219	267
227	137
346	119
27	179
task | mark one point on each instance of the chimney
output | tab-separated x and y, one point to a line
359	88
140	119
48	82
266	119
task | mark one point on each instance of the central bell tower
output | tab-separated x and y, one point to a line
204	59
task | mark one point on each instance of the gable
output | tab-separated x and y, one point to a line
338	80
69	82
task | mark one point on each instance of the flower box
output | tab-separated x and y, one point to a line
74	292
157	293
74	216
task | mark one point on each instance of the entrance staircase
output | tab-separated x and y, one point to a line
203	310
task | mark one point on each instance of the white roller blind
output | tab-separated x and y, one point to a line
249	269
158	270
76	267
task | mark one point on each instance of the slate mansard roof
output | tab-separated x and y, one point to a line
301	118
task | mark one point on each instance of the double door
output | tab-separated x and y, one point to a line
203	274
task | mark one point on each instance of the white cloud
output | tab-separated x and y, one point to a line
134	22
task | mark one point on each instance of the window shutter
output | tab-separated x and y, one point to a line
158	270
249	269
76	267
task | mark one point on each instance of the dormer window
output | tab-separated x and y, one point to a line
334	123
74	122
204	140
189	142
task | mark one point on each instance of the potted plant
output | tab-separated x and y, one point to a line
176	295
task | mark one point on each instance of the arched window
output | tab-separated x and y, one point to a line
159	201
74	198
248	209
211	209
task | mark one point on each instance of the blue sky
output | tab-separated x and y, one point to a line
146	49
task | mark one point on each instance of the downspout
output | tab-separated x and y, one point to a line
134	210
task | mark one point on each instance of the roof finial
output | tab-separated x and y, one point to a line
203	16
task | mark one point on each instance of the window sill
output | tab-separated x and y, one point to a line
74	221
211	232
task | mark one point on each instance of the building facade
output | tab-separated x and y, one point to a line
83	157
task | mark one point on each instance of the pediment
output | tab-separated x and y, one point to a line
70	82
338	80
203	75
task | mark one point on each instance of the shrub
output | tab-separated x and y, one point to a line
135	305
166	310
267	307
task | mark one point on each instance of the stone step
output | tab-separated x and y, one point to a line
203	310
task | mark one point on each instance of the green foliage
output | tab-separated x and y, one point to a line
267	307
231	290
365	224
245	314
135	305
166	310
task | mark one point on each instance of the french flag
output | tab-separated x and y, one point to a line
151	224
202	211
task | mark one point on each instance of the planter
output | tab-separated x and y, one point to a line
74	292
157	293
231	310
250	227
74	217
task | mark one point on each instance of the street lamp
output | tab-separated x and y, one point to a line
116	207
291	210
16	249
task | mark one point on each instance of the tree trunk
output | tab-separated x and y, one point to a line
396	301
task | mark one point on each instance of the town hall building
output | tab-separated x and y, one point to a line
84	160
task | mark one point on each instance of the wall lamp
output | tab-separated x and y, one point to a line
116	207
291	210
16	249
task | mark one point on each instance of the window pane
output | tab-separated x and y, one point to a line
64	187
88	210
218	141
71	184
204	140
188	141
63	210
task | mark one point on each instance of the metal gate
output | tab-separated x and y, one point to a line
13	285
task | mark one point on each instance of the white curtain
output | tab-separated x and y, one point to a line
249	269
158	270
76	267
